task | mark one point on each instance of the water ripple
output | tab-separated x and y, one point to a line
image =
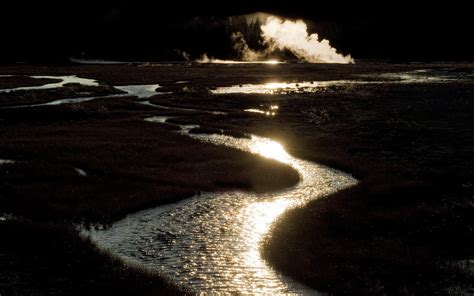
210	243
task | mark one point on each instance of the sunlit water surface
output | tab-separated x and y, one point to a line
139	91
206	60
210	243
411	77
6	161
271	110
63	80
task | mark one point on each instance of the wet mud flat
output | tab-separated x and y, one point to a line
408	144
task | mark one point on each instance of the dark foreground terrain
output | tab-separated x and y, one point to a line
406	228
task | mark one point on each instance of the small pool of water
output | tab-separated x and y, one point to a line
6	161
276	87
271	110
80	172
142	91
148	103
272	88
63	81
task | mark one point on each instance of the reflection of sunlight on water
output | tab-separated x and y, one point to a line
271	111
270	149
273	88
252	110
211	243
6	161
206	60
259	216
140	91
276	87
63	80
273	62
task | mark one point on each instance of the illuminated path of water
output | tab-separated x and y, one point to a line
210	243
139	91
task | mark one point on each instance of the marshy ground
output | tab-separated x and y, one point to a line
406	228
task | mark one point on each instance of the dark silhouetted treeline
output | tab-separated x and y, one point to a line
213	36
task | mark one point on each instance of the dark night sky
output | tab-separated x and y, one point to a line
52	30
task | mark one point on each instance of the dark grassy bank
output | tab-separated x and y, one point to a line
409	223
7	82
377	238
130	165
71	90
51	259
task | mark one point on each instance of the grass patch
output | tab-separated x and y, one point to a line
47	259
41	96
8	82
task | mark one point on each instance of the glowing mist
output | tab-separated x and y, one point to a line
280	35
293	36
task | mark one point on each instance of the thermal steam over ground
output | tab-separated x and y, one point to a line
283	35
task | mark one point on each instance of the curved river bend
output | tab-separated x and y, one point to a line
210	243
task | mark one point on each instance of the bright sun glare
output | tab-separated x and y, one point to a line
271	149
272	62
275	85
260	216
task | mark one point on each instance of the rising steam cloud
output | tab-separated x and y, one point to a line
242	48
293	36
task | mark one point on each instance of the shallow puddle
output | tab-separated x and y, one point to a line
63	81
80	172
273	88
268	111
148	103
140	91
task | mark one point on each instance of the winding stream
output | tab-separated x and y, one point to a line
210	243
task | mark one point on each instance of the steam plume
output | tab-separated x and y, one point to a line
283	35
242	48
293	36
